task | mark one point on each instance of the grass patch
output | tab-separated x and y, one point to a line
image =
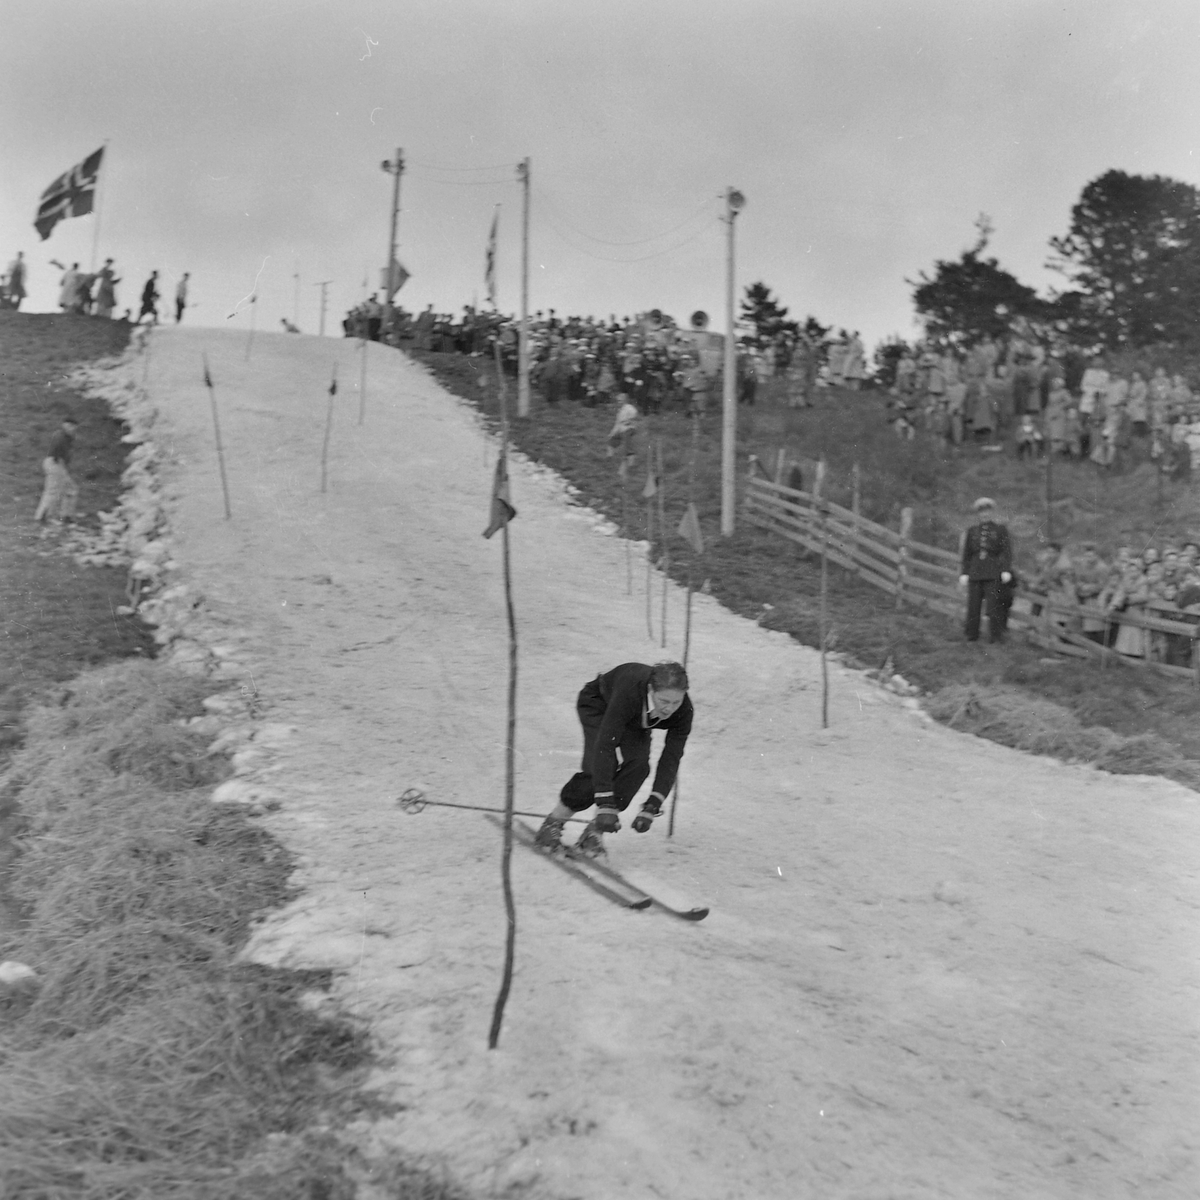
150	1062
766	578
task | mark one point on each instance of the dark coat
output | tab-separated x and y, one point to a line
987	551
615	705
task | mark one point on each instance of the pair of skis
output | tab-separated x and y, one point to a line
599	876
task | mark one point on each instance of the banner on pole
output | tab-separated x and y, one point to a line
391	282
502	506
72	194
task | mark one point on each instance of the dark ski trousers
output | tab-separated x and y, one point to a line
979	590
633	753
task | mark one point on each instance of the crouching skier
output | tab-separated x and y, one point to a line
618	710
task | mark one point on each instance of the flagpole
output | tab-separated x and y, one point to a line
96	209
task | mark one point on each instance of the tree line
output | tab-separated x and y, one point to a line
1130	261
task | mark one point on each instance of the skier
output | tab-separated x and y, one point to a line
618	710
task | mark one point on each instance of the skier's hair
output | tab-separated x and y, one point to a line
668	676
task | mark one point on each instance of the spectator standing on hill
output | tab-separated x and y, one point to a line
59	493
106	295
1160	400
181	294
1138	405
15	280
618	711
986	565
149	300
68	287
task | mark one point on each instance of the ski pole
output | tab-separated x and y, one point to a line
414	801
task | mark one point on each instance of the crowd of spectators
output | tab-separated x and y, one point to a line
1154	583
91	293
1068	406
648	359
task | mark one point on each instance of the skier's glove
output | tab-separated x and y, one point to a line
607	820
651	809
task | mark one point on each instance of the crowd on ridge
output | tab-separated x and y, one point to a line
92	293
647	359
1068	407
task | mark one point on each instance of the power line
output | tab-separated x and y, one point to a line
704	208
641	258
493	167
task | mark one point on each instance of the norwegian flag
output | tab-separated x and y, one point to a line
70	195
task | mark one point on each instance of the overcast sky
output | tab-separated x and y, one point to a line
245	141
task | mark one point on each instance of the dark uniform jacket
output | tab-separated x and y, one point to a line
987	550
615	705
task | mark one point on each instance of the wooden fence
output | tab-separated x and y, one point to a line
927	577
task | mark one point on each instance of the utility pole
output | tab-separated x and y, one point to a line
734	201
523	172
395	169
323	284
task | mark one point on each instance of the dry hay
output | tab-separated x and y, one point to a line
1016	718
151	1063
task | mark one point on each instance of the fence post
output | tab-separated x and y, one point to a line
906	519
856	495
780	463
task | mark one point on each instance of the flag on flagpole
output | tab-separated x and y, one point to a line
689	529
502	507
489	270
72	194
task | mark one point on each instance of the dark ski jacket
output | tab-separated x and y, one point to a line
615	705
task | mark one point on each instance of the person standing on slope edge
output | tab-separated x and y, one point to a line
618	710
986	565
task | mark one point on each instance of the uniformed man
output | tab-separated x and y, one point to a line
986	566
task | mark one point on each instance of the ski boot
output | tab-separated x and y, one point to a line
591	841
651	809
549	836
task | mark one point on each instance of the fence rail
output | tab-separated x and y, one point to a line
927	577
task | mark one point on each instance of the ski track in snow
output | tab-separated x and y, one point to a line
935	967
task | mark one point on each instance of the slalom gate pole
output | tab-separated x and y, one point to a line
510	909
650	549
824	628
666	551
253	323
212	395
362	384
328	430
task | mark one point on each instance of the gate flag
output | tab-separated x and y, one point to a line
689	529
502	506
72	194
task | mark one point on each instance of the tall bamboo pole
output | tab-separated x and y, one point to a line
328	430
665	558
510	908
212	395
818	488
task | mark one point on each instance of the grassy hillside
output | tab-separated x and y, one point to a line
768	579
